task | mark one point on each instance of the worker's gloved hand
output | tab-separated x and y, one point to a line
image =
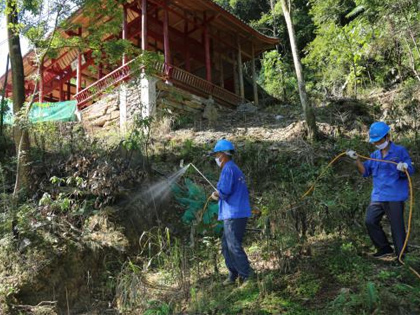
402	166
215	195
351	154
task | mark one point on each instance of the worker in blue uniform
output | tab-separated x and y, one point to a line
234	210
390	189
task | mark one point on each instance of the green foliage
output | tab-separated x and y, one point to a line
182	121
277	73
347	46
128	285
188	148
336	53
372	296
139	137
248	10
346	265
277	76
158	308
362	43
308	286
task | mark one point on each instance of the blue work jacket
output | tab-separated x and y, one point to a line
233	193
389	184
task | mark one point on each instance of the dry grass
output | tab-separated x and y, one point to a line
162	127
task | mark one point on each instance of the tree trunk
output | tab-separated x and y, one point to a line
20	134
273	5
307	108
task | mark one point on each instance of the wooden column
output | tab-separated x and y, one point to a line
100	70
187	47
79	68
79	73
68	90
61	97
207	48
254	76
41	83
222	72
221	68
166	37
240	70
144	41
235	74
124	32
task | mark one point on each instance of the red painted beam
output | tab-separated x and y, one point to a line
175	38
41	84
180	34
71	33
187	50
61	91
56	60
124	31
79	67
70	73
208	56
194	21
100	70
68	90
167	49
144	26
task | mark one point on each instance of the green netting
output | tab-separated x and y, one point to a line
194	198
43	112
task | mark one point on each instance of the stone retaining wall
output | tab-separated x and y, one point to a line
121	104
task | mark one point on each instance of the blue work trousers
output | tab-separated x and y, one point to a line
235	256
394	210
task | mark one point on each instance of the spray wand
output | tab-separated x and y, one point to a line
181	164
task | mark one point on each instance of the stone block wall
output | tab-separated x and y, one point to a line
178	100
102	115
121	104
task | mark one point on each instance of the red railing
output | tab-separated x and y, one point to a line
110	80
194	83
178	76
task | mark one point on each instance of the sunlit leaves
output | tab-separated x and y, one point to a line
364	42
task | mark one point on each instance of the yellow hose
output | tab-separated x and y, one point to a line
411	200
322	174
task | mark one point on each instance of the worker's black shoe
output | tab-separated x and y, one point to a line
251	276
383	252
228	282
398	263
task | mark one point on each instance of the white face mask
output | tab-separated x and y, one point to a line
382	146
219	163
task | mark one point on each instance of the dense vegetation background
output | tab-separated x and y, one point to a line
348	47
84	238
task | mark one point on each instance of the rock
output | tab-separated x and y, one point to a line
210	111
114	115
25	243
279	117
344	291
247	108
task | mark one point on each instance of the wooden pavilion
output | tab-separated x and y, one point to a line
204	49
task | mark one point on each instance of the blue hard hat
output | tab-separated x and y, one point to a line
223	145
377	131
